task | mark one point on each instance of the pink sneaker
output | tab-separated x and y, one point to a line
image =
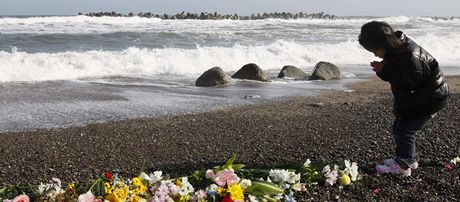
384	169
390	162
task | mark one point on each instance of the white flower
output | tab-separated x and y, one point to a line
156	177
455	161
297	187
352	170
56	184
287	186
336	167
307	163
282	176
200	195
213	187
186	188
144	176
44	187
326	169
210	174
245	183
252	198
279	175
279	196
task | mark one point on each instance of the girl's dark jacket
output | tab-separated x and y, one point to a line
418	85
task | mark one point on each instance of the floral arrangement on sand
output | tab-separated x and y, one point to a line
226	183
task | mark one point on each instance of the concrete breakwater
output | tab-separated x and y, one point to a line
218	16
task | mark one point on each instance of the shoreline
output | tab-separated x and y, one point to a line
331	126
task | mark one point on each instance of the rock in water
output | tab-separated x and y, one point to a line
325	71
292	72
251	72
213	77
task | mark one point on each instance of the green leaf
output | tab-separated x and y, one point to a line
199	175
229	163
237	167
270	199
260	188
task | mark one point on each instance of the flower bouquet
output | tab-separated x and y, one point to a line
227	183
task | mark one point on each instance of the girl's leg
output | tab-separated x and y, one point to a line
405	132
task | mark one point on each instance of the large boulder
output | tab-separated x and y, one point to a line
292	72
325	71
213	77
251	72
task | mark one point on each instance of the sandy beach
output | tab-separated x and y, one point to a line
331	127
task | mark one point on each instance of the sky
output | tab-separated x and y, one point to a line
242	7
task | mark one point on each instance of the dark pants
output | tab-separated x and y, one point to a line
405	133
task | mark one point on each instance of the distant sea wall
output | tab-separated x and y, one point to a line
218	16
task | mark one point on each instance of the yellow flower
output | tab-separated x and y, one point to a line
112	197
137	181
178	183
185	198
107	188
136	191
118	195
137	199
221	191
71	186
143	188
236	192
139	186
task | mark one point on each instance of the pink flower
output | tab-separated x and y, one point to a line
210	174
377	191
21	198
226	177
448	167
88	197
331	175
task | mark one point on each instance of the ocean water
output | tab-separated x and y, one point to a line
75	70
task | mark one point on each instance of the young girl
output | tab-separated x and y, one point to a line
418	86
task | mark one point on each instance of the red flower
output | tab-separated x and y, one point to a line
108	175
227	199
377	191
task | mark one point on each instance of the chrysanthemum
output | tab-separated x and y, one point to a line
236	192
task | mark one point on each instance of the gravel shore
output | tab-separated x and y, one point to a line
330	127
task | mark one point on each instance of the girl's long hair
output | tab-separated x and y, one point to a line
380	35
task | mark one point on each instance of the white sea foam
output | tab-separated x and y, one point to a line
269	43
23	66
